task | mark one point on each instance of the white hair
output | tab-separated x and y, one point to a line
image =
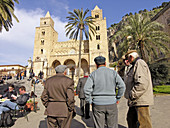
134	54
86	73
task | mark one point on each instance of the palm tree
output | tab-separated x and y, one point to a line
6	13
79	23
142	34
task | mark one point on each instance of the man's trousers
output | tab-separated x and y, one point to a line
86	106
105	114
7	105
139	117
59	122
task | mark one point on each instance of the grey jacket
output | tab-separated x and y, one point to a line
139	85
22	99
80	87
100	87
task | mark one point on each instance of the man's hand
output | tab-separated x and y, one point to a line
0	96
14	97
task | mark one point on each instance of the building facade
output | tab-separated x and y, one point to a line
48	52
11	69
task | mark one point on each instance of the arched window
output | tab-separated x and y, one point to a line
97	27
97	37
41	51
98	46
42	41
43	32
97	16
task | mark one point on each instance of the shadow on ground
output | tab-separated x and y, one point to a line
43	123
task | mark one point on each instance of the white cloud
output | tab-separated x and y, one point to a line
22	33
59	26
21	36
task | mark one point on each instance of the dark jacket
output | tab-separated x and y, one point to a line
22	99
58	96
8	95
80	87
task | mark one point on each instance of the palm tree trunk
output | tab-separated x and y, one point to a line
141	46
115	49
79	68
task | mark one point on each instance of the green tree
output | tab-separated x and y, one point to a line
79	23
159	73
6	13
140	33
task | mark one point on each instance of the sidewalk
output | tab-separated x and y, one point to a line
160	113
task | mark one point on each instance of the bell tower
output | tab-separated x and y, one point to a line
45	38
99	44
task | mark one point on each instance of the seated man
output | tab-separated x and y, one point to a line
21	100
9	93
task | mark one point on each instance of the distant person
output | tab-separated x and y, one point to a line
58	98
18	76
100	91
139	92
22	75
1	80
25	73
40	74
11	91
21	100
80	91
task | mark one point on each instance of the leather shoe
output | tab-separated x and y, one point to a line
87	117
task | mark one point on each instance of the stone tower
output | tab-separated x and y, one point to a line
49	53
99	44
45	38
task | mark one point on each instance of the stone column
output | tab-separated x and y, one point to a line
45	68
29	67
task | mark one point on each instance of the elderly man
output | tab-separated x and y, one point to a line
58	98
80	91
100	91
139	92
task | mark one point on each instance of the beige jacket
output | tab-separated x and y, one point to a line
138	82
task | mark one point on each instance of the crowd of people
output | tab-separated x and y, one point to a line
102	89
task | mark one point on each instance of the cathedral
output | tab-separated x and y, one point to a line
48	52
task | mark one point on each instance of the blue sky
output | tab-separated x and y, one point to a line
16	46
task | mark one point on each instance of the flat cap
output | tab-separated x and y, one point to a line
100	60
60	68
123	57
130	51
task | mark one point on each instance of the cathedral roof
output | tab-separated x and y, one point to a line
96	8
48	14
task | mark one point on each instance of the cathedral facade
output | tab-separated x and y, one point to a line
48	52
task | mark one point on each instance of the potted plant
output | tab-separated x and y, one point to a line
30	105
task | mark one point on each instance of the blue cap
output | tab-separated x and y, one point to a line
100	60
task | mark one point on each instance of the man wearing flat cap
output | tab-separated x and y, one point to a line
58	98
139	92
100	91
